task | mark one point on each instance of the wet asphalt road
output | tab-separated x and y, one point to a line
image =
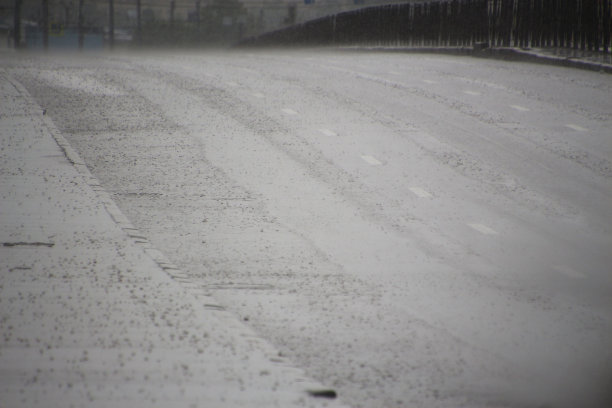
424	231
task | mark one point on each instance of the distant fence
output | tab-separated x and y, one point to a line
580	24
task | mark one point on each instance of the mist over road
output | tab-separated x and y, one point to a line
416	231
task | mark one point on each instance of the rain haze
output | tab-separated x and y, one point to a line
313	203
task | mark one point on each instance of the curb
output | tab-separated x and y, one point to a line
507	54
311	392
109	205
526	55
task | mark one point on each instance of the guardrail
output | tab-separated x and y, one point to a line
579	24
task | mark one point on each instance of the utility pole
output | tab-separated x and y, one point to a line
172	5
138	23
81	25
172	33
45	24
197	4
111	24
17	24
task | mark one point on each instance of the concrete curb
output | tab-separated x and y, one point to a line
508	54
232	366
109	205
539	57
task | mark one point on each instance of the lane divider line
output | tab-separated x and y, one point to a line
483	229
418	191
473	93
520	108
569	272
429	81
258	95
289	111
371	160
328	132
577	128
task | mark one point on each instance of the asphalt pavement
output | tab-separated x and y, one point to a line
91	314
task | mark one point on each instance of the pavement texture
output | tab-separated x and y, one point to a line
91	314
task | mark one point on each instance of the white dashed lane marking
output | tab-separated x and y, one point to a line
289	111
420	192
371	160
473	93
483	229
520	108
328	132
429	81
258	95
569	272
577	128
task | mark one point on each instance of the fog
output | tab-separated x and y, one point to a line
303	204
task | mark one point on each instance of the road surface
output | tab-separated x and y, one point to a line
417	231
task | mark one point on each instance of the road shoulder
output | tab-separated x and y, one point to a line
91	313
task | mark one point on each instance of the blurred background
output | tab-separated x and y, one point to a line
94	24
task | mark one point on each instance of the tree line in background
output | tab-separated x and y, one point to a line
219	21
581	24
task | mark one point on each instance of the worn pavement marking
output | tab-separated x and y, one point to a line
483	229
289	111
473	93
420	192
520	108
232	84
258	95
569	272
328	132
577	128
429	81
371	160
